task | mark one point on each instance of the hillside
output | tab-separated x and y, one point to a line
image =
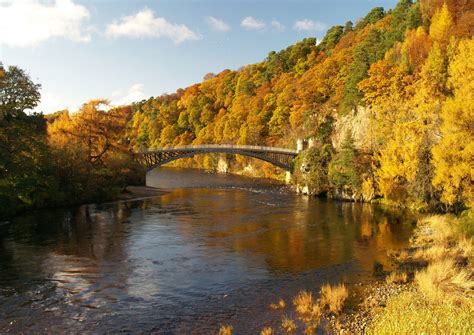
386	103
385	99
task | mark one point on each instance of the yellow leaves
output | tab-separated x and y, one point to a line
385	80
454	155
91	130
441	25
415	48
399	160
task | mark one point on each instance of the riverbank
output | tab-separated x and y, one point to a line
139	192
129	193
432	289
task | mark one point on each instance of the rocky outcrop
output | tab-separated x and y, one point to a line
357	123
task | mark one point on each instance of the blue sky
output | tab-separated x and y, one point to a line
129	50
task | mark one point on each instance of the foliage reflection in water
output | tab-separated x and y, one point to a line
186	261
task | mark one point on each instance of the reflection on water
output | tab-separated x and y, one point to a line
187	261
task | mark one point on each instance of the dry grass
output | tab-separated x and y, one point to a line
443	280
410	313
266	331
403	256
280	305
397	278
288	325
436	229
303	303
226	330
466	247
443	299
334	297
444	244
308	311
431	253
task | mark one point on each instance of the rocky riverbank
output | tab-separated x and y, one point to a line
431	291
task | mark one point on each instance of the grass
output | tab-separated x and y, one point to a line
280	305
308	311
443	281
411	313
397	278
266	331
439	301
226	330
442	298
334	297
288	325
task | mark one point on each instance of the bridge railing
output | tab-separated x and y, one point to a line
217	146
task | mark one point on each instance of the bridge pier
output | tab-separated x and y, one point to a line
222	164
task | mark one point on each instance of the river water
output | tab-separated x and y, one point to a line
212	250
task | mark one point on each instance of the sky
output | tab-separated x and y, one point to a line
126	51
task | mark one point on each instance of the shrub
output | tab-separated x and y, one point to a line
308	311
266	331
288	325
226	330
334	297
303	303
280	305
443	280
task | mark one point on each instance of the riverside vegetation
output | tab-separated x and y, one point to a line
388	102
59	159
431	290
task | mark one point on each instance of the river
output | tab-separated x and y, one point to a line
212	250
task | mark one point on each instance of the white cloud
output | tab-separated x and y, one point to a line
252	23
276	25
134	94
28	22
51	103
217	25
309	25
145	24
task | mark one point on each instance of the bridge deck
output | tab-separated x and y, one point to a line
219	147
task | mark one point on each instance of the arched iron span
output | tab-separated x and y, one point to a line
280	157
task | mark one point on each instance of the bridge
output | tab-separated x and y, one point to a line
281	157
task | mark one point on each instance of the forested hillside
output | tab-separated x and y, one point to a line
388	99
388	103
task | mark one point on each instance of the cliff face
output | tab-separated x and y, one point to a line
357	124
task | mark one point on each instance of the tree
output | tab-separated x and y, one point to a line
343	173
373	16
313	168
332	37
453	156
348	27
441	26
24	165
17	92
371	49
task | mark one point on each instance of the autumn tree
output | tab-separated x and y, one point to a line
453	156
441	26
